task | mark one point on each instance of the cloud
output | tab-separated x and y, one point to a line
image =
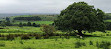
46	6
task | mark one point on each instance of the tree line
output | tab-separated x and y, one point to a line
33	18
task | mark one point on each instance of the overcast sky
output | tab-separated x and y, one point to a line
47	6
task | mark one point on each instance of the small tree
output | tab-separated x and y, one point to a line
24	24
34	24
7	19
8	23
29	24
48	29
3	24
20	24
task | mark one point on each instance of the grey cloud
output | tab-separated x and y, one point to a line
46	6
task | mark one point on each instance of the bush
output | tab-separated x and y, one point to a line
46	36
49	30
90	43
25	37
97	44
20	24
34	24
79	44
10	37
67	36
24	24
103	44
29	24
21	42
2	44
38	36
107	35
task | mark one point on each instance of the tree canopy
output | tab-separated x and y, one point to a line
80	16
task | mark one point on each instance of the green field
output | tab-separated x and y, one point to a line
59	43
107	20
16	29
37	22
96	41
54	42
30	25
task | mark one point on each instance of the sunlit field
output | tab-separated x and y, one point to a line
53	42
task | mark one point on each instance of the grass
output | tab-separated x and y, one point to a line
107	21
16	29
52	43
37	22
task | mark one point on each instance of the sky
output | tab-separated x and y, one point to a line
47	6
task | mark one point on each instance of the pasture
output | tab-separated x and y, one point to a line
37	22
54	42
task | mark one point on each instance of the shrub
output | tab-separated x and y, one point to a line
21	42
2	44
3	38
97	44
34	24
103	44
10	37
46	36
20	24
48	29
79	44
38	36
25	37
67	36
90	43
29	24
107	35
29	48
24	24
3	24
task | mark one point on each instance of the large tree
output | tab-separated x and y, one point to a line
80	16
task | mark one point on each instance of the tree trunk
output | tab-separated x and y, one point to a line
80	32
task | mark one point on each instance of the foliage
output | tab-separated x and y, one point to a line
20	24
25	37
8	23
79	44
91	43
29	24
3	24
28	18
108	25
7	19
104	45
34	24
80	16
48	29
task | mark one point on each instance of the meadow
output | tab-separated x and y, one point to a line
27	37
53	42
37	22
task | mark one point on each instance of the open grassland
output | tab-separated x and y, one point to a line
54	43
16	29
